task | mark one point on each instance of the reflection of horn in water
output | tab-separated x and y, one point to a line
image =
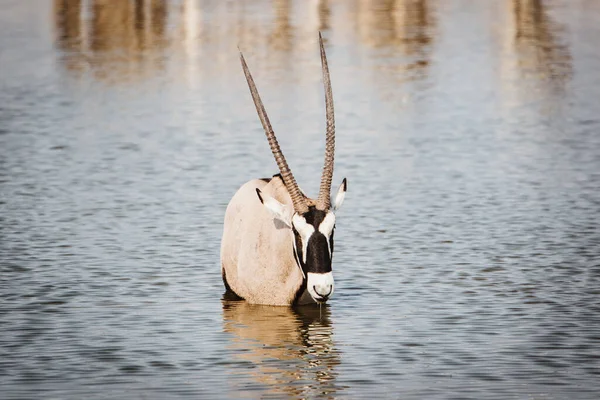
291	349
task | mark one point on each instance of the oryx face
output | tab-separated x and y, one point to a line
312	240
313	247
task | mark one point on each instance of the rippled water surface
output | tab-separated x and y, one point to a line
467	251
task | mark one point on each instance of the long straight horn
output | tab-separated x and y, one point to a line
323	201
288	178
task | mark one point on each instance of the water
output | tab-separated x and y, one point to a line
467	252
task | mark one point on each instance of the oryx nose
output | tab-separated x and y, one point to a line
324	291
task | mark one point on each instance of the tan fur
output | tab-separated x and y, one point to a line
257	252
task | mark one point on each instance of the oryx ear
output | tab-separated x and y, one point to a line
339	197
279	211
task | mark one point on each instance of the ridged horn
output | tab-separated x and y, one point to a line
288	178
324	200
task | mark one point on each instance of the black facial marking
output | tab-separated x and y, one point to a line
298	249
314	217
298	256
266	179
318	259
331	239
318	255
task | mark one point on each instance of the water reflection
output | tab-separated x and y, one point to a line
281	37
67	17
291	350
538	44
126	40
404	26
534	62
129	36
128	26
324	12
116	38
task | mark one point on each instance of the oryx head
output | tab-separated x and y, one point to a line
312	221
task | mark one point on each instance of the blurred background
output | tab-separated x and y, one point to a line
467	257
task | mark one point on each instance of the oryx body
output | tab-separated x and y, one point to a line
277	244
257	252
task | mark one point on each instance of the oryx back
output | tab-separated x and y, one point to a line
257	255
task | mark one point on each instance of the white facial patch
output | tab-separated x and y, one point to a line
326	226
305	230
320	286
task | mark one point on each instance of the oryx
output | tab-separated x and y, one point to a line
277	243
